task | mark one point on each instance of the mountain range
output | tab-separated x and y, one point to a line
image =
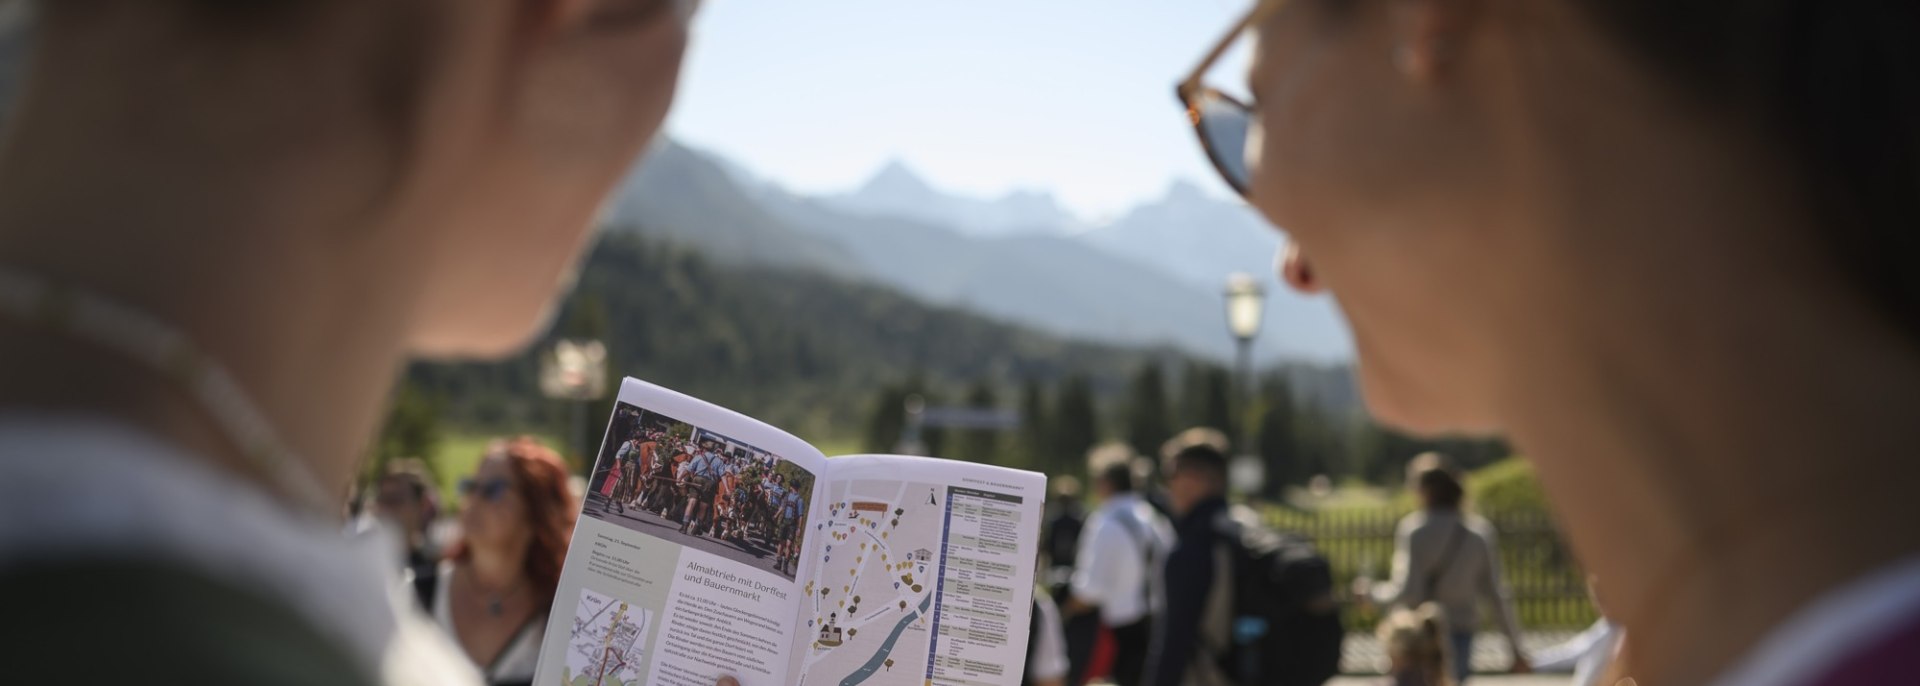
1151	276
896	191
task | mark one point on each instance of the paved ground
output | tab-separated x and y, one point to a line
1491	655
752	551
1488	680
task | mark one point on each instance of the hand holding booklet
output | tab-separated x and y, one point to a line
712	544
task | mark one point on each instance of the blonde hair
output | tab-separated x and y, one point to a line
1416	641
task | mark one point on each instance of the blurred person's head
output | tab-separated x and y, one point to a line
1437	482
1494	190
1199	435
405	496
1665	246
1417	646
1195	474
395	178
1066	489
1112	467
517	503
465	145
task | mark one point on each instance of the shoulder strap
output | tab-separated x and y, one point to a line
1439	569
1142	539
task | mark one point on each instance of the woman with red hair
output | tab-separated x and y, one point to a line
497	584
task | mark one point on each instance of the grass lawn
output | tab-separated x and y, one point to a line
842	446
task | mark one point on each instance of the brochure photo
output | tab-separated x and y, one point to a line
713	544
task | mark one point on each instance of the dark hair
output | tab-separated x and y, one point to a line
1441	489
1118	476
542	484
412	472
1201	459
1199	435
1837	84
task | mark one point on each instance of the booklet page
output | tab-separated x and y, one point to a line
683	563
923	574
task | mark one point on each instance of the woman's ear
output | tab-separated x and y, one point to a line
1296	272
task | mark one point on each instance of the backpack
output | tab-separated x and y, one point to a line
1285	624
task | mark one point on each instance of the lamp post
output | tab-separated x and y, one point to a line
1246	303
912	432
576	371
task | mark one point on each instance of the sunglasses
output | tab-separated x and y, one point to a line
491	490
1222	121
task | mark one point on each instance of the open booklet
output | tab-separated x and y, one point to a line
713	544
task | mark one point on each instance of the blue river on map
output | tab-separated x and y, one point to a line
880	657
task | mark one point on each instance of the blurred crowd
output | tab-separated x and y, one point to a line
1162	582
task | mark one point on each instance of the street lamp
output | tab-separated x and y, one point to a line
1246	303
576	371
912	431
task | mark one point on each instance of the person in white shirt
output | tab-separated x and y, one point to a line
1047	645
1114	568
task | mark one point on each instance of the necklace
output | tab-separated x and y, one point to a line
166	351
497	601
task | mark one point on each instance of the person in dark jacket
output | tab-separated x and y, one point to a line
1193	577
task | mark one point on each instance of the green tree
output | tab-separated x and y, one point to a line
1385	452
1208	398
886	420
412	427
1277	444
1076	426
980	445
1147	415
938	440
1036	439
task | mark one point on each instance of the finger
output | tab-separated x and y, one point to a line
727	681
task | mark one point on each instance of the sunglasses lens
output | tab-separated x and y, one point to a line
1224	125
494	490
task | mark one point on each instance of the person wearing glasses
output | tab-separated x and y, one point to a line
1666	247
497	585
223	226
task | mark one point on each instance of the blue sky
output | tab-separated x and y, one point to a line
979	96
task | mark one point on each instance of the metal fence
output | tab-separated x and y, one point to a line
1549	590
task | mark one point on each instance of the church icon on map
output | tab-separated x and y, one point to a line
830	632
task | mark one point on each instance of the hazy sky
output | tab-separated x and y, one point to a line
979	96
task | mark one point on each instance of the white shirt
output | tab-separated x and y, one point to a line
515	662
1049	660
1112	570
83	488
